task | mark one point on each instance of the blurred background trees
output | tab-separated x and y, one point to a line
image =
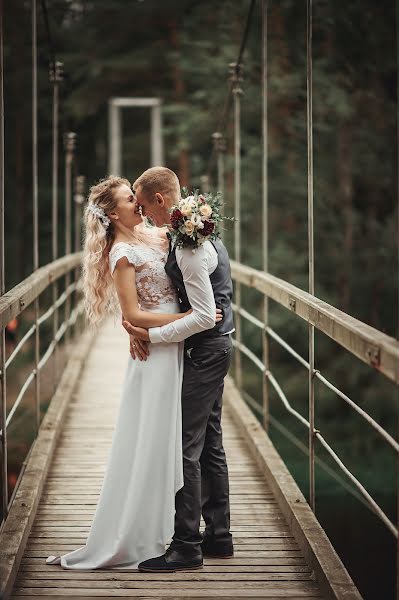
180	51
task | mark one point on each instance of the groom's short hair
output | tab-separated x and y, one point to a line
159	180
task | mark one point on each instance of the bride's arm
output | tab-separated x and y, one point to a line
124	277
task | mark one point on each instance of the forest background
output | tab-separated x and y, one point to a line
180	51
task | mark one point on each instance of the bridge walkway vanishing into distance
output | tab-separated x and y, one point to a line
280	549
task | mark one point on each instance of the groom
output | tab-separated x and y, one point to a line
203	282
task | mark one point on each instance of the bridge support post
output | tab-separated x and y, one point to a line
70	139
56	69
397	250
35	208
3	411
115	130
311	251
236	78
79	198
219	145
265	215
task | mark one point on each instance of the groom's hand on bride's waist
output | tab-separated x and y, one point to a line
142	337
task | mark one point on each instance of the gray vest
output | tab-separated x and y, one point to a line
222	286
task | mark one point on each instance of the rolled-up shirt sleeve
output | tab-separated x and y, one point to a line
194	268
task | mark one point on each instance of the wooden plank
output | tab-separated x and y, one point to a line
26	578
189	594
181	597
164	585
271	558
266	590
35	566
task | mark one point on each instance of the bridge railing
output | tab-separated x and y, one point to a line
12	305
56	285
373	347
378	350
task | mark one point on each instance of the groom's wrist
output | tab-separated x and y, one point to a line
155	335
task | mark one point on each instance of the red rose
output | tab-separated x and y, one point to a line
176	218
207	229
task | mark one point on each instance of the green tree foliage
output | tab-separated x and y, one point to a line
180	51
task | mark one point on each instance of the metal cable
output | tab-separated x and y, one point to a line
226	106
48	31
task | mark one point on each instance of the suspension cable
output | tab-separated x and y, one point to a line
226	106
48	31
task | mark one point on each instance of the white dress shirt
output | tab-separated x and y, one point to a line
196	267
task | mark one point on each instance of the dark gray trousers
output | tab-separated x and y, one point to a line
206	482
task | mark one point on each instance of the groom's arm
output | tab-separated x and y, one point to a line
194	268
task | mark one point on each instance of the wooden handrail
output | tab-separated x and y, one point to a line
367	343
19	297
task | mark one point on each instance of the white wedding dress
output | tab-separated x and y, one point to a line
134	517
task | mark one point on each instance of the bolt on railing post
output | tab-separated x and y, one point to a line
3	416
265	215
69	140
311	252
220	148
56	69
236	78
35	208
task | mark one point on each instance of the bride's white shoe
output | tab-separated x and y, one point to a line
53	560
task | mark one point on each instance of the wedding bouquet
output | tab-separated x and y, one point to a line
196	219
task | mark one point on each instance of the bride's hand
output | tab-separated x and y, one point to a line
138	348
219	315
137	332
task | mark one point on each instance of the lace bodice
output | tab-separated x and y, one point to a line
153	284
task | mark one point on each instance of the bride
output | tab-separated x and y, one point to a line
123	260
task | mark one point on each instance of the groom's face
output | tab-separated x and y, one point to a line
156	209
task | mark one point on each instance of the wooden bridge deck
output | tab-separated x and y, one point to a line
268	561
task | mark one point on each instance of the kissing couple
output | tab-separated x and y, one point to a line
166	466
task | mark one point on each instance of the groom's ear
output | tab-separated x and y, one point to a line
160	199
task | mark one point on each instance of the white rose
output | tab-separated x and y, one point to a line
205	210
196	220
186	210
189	227
193	203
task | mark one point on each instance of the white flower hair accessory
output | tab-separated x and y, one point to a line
99	213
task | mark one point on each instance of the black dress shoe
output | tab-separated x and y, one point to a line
216	549
173	560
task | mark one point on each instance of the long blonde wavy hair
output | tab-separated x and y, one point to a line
100	298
